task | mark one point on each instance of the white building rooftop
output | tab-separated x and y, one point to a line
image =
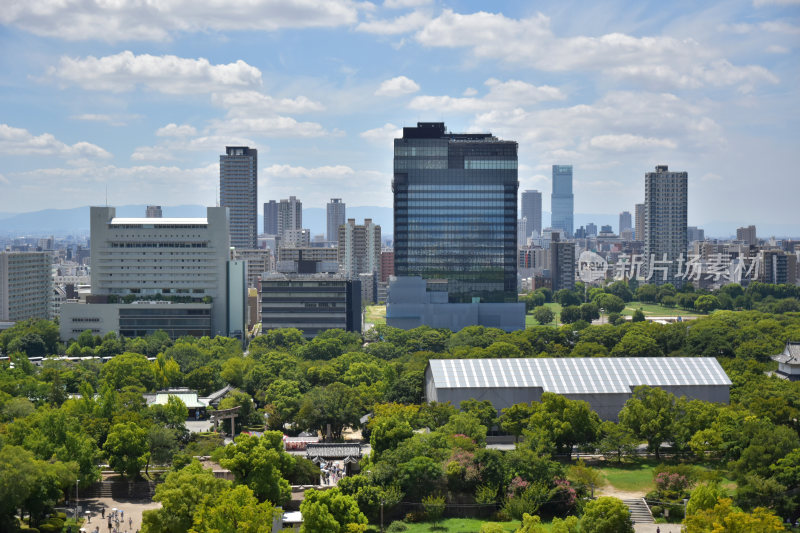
157	221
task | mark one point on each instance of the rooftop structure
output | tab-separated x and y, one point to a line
604	382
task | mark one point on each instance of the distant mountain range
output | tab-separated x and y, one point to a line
75	221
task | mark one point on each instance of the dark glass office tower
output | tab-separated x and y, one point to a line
455	211
238	186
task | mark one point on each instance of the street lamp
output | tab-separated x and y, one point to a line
76	502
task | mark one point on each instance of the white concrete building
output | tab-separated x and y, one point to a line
26	285
173	262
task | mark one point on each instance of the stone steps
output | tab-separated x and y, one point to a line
640	512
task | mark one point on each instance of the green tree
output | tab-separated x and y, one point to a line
162	443
284	396
606	515
703	497
515	419
650	414
419	476
570	314
483	410
531	524
638	316
166	372
621	290
335	404
706	303
566	298
724	517
647	293
126	449
637	344
128	369
434	507
235	511
589	312
616	440
260	463
543	315
331	511
609	303
387	433
181	494
565	422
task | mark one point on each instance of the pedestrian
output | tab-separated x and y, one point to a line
103	512
658	530
130	521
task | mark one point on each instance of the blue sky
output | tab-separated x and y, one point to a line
142	96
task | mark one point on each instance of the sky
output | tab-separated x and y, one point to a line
140	97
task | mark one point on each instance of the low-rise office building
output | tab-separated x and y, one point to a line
311	303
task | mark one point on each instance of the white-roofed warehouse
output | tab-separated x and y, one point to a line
604	382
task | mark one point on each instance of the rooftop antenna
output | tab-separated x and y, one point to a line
106	194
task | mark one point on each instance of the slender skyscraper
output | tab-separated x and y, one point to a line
625	221
639	231
562	200
271	217
336	217
532	210
238	181
665	204
455	211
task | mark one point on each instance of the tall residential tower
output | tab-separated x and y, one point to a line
455	211
238	181
562	200
665	205
336	217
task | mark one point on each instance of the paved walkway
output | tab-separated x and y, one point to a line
132	510
662	528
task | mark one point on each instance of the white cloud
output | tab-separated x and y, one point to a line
711	177
367	187
402	24
397	87
166	74
501	95
270	126
626	142
761	3
112	120
470	91
777	49
780	26
254	101
655	61
136	184
173	130
383	135
122	20
400	4
18	141
4	180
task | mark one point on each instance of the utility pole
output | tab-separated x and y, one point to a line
381	515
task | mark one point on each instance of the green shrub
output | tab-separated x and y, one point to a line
396	527
50	528
501	515
415	516
492	527
657	510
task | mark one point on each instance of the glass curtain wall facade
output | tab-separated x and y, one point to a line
238	184
562	199
455	211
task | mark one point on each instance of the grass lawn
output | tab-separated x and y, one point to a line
630	477
554	307
375	314
458	525
657	310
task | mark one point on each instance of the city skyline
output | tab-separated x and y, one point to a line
143	109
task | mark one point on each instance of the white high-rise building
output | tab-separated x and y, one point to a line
26	285
336	216
174	274
359	248
290	215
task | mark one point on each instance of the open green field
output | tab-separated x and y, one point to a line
656	310
457	525
375	314
630	477
554	307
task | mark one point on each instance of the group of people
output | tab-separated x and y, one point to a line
116	521
330	473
